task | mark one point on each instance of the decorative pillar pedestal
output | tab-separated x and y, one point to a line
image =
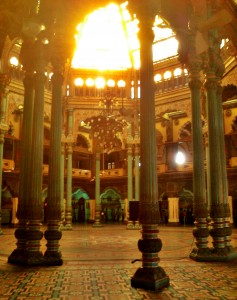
150	276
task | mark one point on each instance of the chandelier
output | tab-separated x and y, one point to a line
106	128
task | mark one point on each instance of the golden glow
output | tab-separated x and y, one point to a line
107	40
101	41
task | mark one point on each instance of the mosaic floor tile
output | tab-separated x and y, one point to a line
97	266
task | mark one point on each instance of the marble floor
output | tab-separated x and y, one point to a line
97	265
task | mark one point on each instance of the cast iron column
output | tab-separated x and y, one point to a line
62	203
97	190
137	171
130	224
4	80
53	234
150	275
69	140
227	226
34	207
19	255
130	171
201	252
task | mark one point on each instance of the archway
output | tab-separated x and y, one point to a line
186	207
112	205
80	206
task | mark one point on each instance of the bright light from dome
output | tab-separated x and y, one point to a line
180	158
107	40
102	42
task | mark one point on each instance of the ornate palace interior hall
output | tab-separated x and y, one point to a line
97	265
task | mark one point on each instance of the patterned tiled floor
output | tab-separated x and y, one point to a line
97	266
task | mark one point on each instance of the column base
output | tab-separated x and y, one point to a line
150	279
97	225
53	258
213	255
134	225
67	227
18	257
174	224
200	254
35	258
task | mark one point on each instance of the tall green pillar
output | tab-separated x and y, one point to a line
52	254
227	226
97	190
201	251
150	276
62	204
130	172
137	170
19	255
219	209
34	205
69	140
3	129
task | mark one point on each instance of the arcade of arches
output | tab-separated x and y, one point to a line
132	121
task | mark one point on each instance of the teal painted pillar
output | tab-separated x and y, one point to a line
70	140
19	255
3	129
227	225
150	276
130	173
201	251
130	224
137	172
97	190
220	211
52	254
62	202
34	206
216	188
